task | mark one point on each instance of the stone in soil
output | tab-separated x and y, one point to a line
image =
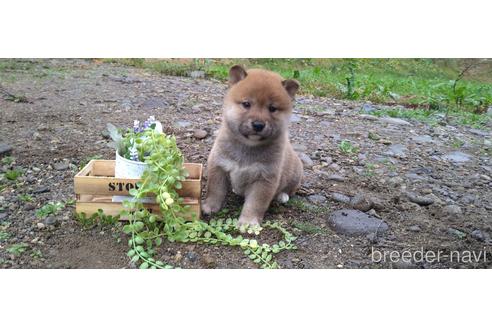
414	228
422	139
393	120
452	210
397	150
340	198
457	157
51	220
200	134
182	124
317	199
355	223
336	177
420	200
41	190
306	160
3	216
5	149
155	103
480	235
295	118
361	203
61	166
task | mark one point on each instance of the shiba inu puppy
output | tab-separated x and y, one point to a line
252	152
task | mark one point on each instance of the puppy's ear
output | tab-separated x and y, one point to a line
291	86
236	74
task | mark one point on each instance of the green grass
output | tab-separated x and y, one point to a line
434	117
50	208
12	175
426	83
347	148
17	249
308	227
25	198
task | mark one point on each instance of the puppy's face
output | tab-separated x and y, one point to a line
258	105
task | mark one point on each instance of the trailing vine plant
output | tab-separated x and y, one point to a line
147	230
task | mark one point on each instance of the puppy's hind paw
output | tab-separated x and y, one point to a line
282	198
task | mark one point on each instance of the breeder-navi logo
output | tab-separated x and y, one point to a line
430	256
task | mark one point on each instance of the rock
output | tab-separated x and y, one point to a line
41	190
355	223
317	199
336	177
481	133
40	225
294	118
5	149
393	120
340	198
361	203
397	150
197	74
182	124
29	207
395	181
155	103
452	210
3	216
51	220
368	117
480	235
423	139
209	261
415	228
306	160
420	200
105	134
61	166
457	157
200	134
368	109
191	256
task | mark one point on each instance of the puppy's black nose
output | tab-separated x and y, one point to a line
258	126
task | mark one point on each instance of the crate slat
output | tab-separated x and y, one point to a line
95	185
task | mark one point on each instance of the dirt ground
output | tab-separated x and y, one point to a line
431	185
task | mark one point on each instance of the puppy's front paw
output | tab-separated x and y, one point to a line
248	221
209	207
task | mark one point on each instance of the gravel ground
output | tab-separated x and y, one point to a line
396	185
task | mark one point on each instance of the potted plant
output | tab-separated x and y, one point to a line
131	151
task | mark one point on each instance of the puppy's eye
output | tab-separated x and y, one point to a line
246	104
272	108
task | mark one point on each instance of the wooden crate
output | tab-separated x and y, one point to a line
95	185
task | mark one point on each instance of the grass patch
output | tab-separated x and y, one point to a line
12	175
308	227
347	148
434	117
429	83
50	208
17	249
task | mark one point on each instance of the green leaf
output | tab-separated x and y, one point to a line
135	258
131	253
207	234
158	241
144	265
139	240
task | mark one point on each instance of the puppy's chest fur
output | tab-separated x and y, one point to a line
243	170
